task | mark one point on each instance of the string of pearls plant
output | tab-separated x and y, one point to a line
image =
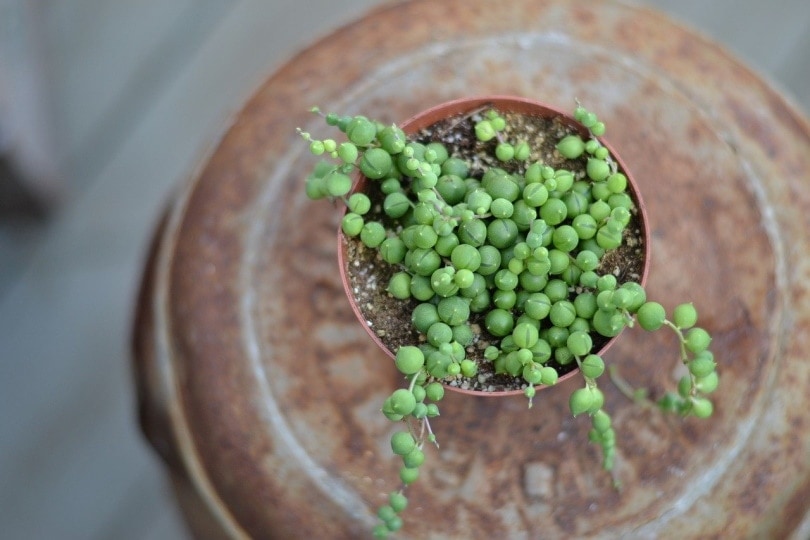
522	250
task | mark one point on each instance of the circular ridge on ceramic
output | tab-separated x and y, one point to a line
503	103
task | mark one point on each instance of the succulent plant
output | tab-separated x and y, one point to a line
510	242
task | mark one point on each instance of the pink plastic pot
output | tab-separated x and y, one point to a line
453	108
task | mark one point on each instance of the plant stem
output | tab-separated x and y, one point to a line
636	395
412	384
589	382
684	355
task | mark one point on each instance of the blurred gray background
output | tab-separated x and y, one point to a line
106	105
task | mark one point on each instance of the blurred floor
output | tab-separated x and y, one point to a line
139	92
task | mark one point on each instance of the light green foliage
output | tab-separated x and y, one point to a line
518	253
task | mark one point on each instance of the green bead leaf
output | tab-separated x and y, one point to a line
702	407
376	163
410	359
398	501
684	316
361	131
402	443
651	316
592	366
697	340
580	401
571	146
402	401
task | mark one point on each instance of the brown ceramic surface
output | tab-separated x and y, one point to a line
466	105
262	393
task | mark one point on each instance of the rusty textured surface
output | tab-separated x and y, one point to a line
262	393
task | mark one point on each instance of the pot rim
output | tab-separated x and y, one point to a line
505	103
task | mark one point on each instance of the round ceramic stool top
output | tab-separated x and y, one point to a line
262	393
